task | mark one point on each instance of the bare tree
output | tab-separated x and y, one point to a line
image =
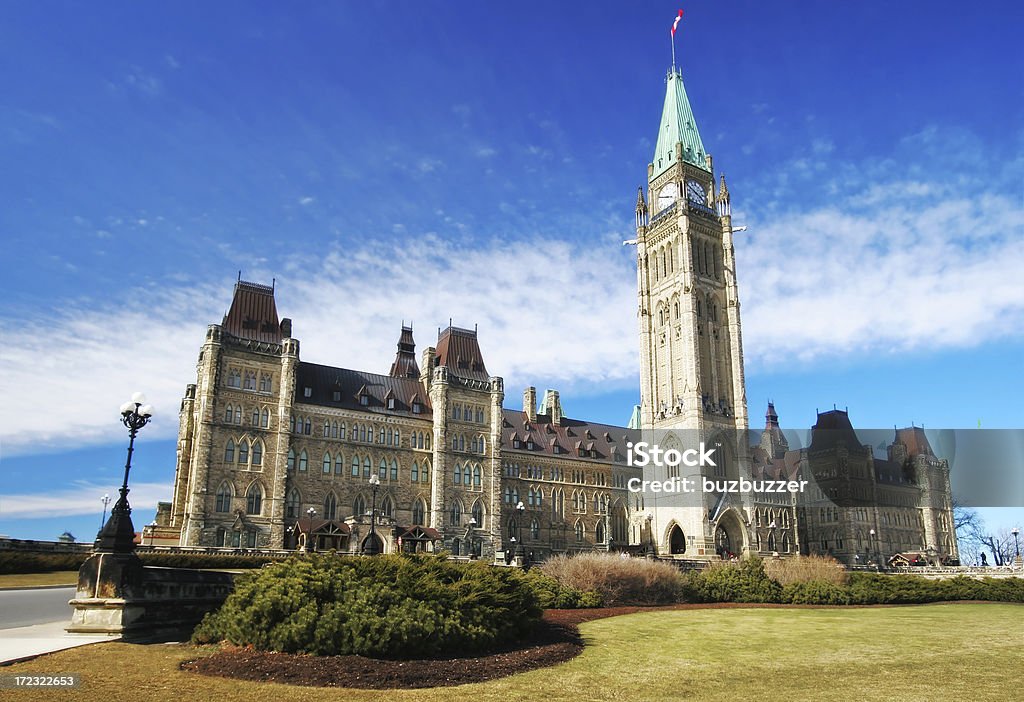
970	531
1001	545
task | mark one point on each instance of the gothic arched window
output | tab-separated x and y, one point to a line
291	505
223	498
254	499
419	510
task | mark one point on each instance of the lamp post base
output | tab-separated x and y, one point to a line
118	535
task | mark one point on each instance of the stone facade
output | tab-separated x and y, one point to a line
266	437
277	452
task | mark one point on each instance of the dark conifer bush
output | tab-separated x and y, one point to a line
385	607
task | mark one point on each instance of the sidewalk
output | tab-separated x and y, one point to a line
26	642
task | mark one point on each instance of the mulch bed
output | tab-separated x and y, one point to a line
556	641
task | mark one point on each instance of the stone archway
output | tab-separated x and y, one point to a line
372	544
730	535
676	541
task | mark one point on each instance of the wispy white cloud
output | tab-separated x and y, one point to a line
84	362
429	165
893	267
78	500
546	309
893	261
143	81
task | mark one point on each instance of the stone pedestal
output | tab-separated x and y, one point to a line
118	595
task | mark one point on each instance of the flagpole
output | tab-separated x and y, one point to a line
672	40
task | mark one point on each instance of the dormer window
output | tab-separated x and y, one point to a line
307	391
529	445
364	400
391	403
417	408
336	396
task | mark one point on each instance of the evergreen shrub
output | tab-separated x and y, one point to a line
384	607
744	581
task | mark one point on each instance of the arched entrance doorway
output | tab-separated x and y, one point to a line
372	544
730	539
676	541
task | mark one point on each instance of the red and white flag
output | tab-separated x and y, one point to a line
676	23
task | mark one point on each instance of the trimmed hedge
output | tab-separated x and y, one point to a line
40	562
385	607
170	559
875	588
819	592
36	562
747	582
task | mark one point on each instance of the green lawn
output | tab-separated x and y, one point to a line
928	652
57	577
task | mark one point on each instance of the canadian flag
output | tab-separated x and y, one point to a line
676	23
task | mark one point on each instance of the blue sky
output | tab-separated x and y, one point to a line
474	161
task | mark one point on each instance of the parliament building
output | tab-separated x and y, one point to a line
277	452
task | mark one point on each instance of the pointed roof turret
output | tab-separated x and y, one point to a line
641	206
724	207
773	441
405	360
677	126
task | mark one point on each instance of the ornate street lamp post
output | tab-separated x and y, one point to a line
106	501
874	548
471	538
118	535
520	551
370	546
1016	544
309	529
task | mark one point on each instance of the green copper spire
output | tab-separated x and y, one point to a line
677	125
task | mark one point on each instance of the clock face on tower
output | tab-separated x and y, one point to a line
695	192
666	196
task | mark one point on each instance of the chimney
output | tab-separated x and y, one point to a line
530	403
552	406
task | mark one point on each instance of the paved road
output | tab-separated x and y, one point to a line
25	607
